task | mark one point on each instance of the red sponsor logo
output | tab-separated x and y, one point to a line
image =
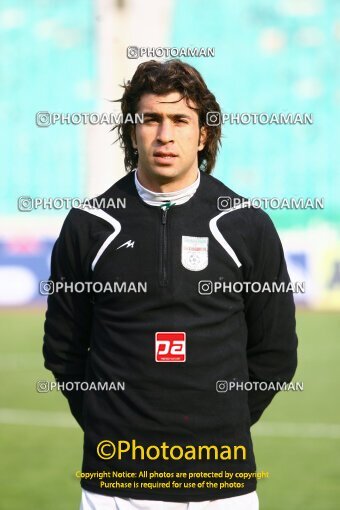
170	346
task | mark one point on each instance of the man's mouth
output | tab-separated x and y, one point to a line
160	154
164	157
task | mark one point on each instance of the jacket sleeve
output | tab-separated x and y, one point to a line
67	327
270	317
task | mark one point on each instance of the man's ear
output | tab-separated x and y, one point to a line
133	137
203	138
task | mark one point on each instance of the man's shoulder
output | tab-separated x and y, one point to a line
122	188
99	210
237	208
215	186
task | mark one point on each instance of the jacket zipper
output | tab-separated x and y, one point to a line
164	249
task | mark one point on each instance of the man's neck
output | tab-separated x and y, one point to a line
171	197
160	184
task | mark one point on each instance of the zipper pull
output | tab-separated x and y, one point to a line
164	215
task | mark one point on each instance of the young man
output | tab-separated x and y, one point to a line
172	327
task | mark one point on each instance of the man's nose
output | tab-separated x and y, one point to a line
165	132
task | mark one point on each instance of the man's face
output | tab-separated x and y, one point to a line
169	139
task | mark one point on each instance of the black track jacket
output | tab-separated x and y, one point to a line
155	261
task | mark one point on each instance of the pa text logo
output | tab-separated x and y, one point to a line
170	346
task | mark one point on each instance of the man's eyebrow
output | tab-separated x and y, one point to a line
156	115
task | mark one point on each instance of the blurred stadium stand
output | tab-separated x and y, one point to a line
271	56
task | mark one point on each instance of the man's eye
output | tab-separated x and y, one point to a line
147	121
182	121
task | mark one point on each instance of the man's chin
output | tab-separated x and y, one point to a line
166	171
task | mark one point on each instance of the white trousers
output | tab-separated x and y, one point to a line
92	501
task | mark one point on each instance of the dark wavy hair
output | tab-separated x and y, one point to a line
160	78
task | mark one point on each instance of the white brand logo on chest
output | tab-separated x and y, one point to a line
128	244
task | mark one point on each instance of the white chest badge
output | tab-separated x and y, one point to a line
195	252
